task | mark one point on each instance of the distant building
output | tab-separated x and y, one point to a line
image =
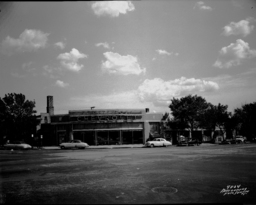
98	126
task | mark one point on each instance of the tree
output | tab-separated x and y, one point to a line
187	111
245	118
17	117
164	121
177	124
216	116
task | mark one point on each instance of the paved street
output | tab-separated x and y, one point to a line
194	174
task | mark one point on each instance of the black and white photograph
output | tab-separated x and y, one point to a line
128	102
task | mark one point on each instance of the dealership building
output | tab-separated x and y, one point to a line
98	126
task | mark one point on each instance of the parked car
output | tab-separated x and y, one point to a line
194	142
240	139
74	144
158	142
189	142
226	141
17	145
182	140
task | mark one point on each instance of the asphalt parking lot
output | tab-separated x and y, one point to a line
190	174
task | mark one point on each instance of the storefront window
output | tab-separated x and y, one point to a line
137	137
102	138
127	137
114	137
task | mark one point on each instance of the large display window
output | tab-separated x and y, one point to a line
85	136
137	137
114	137
102	138
127	137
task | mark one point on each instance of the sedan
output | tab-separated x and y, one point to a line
226	141
74	144
17	145
194	142
158	142
240	139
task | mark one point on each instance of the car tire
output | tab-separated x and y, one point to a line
62	147
164	145
152	145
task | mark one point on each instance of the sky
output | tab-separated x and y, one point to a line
128	54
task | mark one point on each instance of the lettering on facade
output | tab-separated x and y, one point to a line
108	118
106	112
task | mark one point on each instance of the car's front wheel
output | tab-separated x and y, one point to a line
152	145
62	147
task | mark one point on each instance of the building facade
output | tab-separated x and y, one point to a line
98	126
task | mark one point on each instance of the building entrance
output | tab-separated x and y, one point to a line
62	137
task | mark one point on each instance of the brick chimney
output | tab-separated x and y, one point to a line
50	108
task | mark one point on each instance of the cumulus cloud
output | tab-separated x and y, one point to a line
61	45
201	5
233	54
52	72
151	93
29	40
105	45
112	8
163	52
70	60
122	65
242	27
159	91
61	84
